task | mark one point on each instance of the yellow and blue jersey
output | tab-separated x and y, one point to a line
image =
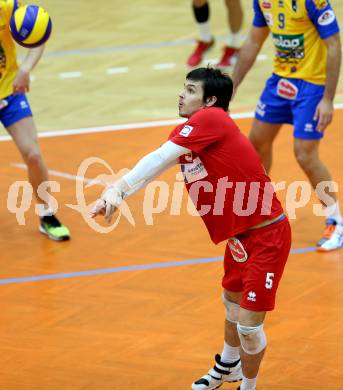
8	61
298	28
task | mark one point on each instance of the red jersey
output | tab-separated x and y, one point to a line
224	175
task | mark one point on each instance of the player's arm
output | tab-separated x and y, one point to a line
144	171
144	183
248	53
324	111
21	83
252	46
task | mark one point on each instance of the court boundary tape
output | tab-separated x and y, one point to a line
128	268
131	126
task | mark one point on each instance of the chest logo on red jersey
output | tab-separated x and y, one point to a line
286	89
237	250
193	171
186	130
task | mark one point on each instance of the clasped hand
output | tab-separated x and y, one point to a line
108	204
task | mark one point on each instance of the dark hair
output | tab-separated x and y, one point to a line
215	83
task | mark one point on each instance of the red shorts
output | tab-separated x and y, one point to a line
255	266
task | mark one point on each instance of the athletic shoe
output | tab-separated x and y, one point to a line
197	56
333	240
53	228
329	229
220	373
228	58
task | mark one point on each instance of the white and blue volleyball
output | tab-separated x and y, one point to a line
30	26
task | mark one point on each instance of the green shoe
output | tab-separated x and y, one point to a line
53	228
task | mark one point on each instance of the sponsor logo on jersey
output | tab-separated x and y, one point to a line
294	5
193	171
326	18
281	3
237	250
251	296
3	103
289	48
268	18
261	108
286	89
266	5
23	104
320	4
308	127
186	131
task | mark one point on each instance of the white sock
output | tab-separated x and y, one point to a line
334	212
44	210
234	40
205	31
229	354
248	384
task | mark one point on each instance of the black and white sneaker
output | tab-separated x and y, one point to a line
220	373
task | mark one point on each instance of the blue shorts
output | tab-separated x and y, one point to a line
292	101
13	108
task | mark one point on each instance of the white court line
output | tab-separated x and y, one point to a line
131	126
163	66
62	174
70	75
117	70
102	129
262	57
212	61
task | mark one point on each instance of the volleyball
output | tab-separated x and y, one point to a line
30	26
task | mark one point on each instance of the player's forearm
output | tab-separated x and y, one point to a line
130	191
248	53
246	58
150	166
333	65
31	59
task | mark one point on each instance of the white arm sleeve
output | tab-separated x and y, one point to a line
153	164
142	184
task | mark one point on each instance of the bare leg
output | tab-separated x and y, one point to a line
307	155
234	15
251	363
231	335
199	3
24	135
262	136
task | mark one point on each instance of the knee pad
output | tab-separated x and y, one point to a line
231	309
253	339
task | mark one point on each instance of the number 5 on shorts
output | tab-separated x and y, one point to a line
269	280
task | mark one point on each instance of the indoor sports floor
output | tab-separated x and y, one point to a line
139	308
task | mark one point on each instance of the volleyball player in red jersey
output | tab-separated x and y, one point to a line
234	197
